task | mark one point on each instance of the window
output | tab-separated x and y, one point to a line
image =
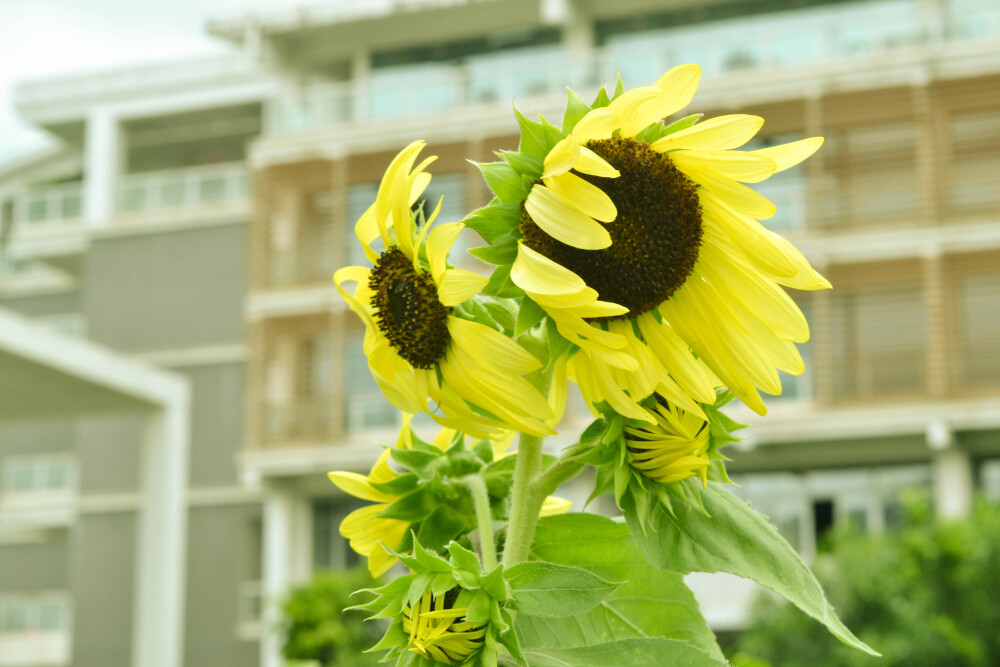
41	475
989	479
365	406
359	198
979	319
330	550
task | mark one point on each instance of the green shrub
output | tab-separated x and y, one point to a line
318	628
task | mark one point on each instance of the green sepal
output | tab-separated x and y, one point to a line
523	163
414	460
619	88
602	99
528	315
681	124
576	109
504	181
443	524
502	251
463	559
553	134
502	311
494	220
398	486
532	136
558	345
500	284
414	506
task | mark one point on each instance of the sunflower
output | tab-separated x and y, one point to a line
418	349
440	632
643	244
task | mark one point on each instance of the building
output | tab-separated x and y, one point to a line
145	236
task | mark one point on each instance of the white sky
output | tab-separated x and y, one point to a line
43	37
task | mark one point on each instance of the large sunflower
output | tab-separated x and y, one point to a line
418	350
643	244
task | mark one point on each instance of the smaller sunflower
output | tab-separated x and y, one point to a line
418	350
673	449
440	632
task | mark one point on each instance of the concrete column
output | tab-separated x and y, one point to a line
286	561
102	160
158	634
952	473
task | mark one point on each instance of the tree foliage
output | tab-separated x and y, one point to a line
925	594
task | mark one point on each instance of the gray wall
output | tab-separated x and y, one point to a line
108	449
223	552
35	567
216	423
169	290
102	573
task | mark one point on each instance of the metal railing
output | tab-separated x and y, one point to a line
190	187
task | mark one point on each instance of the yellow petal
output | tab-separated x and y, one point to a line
747	234
438	244
740	166
593	164
358	486
562	157
598	123
458	285
492	348
554	505
631	107
720	133
736	195
360	276
564	222
534	272
790	154
585	196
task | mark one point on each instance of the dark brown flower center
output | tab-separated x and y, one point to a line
407	309
654	240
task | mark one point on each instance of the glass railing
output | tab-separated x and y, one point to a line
777	40
52	204
191	187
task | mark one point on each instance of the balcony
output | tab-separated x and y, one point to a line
855	35
203	191
39	491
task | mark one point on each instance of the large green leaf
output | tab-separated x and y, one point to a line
734	538
639	652
550	589
651	602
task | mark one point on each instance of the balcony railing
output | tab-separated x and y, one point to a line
785	39
180	189
301	420
52	205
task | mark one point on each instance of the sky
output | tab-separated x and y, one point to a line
56	37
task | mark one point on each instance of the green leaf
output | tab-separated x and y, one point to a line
412	507
504	181
576	109
500	251
641	652
441	526
740	541
528	315
651	602
527	165
413	459
550	589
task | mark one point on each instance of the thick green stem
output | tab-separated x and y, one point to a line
484	519
526	503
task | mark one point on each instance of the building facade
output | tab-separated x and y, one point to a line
197	213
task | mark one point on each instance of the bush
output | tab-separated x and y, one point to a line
318	628
922	595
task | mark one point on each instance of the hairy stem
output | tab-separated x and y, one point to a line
526	503
562	471
484	520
